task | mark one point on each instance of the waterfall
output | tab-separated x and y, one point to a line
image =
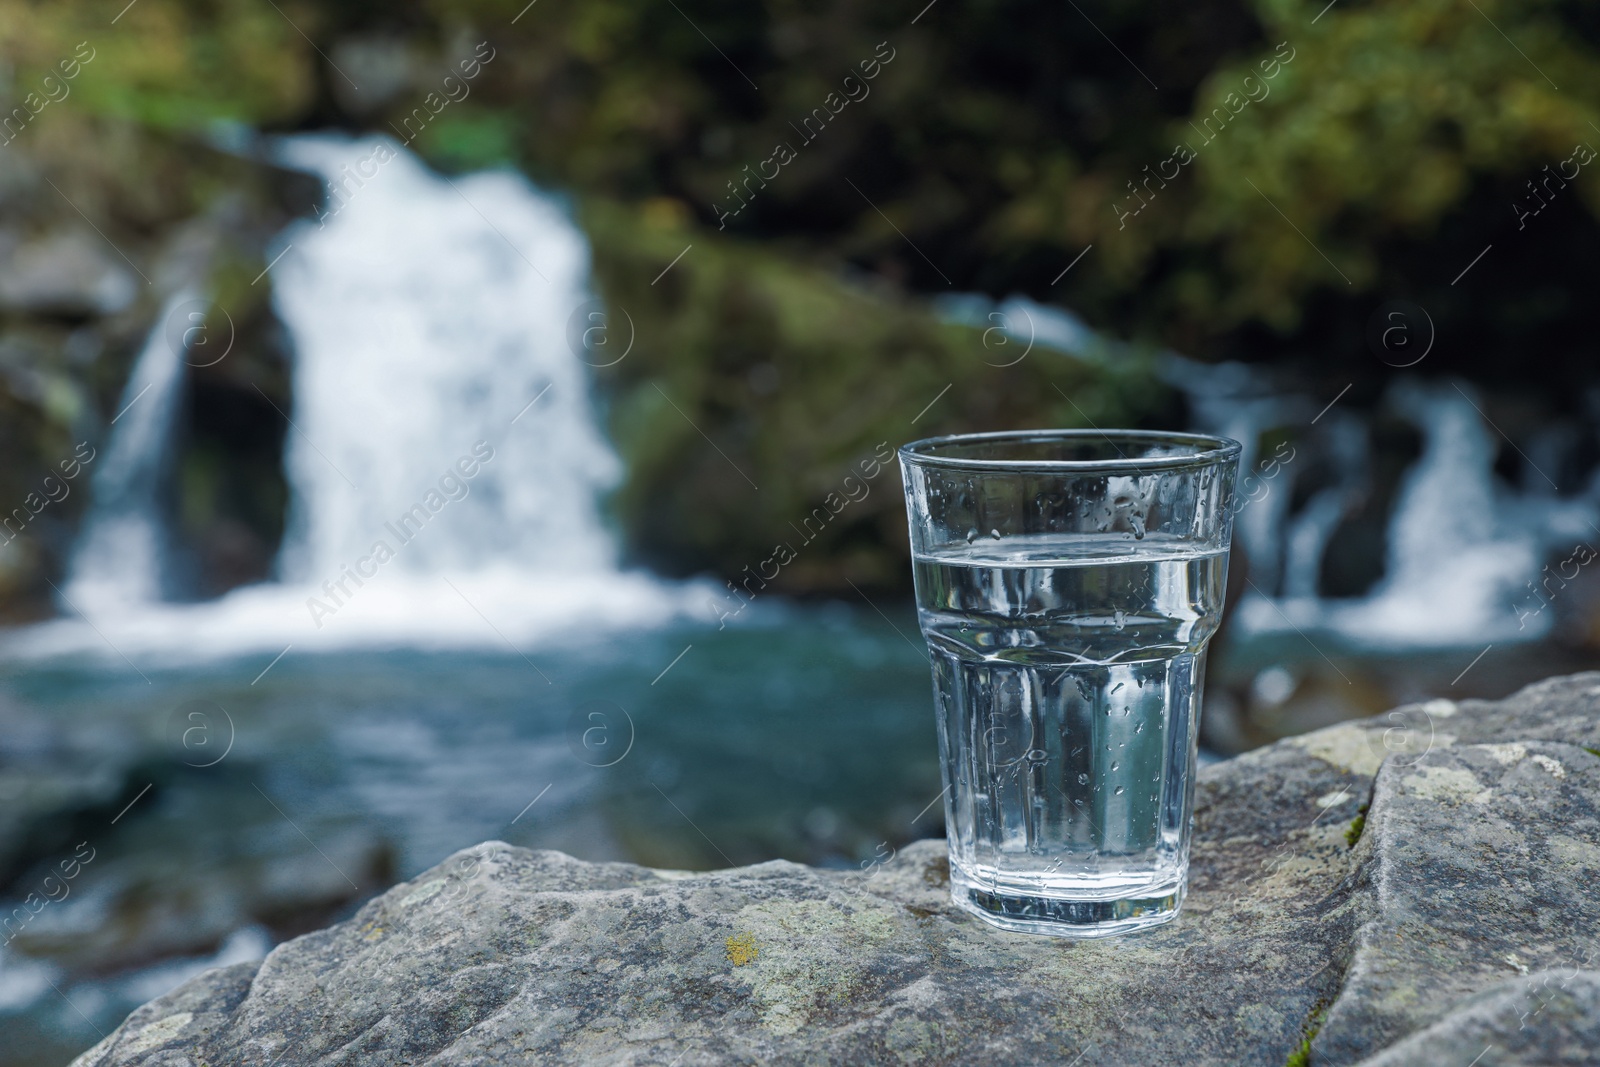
444	460
426	315
1461	547
445	463
121	557
1307	538
1458	549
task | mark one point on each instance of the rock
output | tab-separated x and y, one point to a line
1561	1010
1460	914
166	883
51	773
158	894
68	273
1480	863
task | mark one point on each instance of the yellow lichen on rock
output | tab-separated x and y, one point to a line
814	957
742	949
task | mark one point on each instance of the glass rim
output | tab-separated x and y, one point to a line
1207	450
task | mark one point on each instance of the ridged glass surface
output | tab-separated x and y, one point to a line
1066	678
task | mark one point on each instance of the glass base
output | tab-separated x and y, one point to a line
1071	916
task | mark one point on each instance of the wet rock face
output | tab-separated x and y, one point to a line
1458	914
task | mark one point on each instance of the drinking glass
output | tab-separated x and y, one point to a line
1067	583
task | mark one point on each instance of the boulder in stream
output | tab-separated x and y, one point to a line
1415	889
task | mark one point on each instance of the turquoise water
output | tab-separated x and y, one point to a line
806	737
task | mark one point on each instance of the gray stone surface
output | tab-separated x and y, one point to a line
68	273
1463	919
1479	864
1549	1019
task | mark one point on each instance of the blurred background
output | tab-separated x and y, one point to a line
425	423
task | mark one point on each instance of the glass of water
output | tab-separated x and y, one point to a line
1067	583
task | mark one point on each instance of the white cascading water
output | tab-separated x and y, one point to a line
1306	539
425	316
1458	550
438	412
1461	548
121	559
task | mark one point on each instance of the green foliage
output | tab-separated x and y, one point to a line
170	64
991	145
794	375
1352	833
471	140
1301	1055
1378	129
1001	139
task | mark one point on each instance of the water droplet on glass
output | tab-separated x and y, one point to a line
1138	727
972	535
995	534
1115	767
1083	779
1138	527
1120	618
1119	791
